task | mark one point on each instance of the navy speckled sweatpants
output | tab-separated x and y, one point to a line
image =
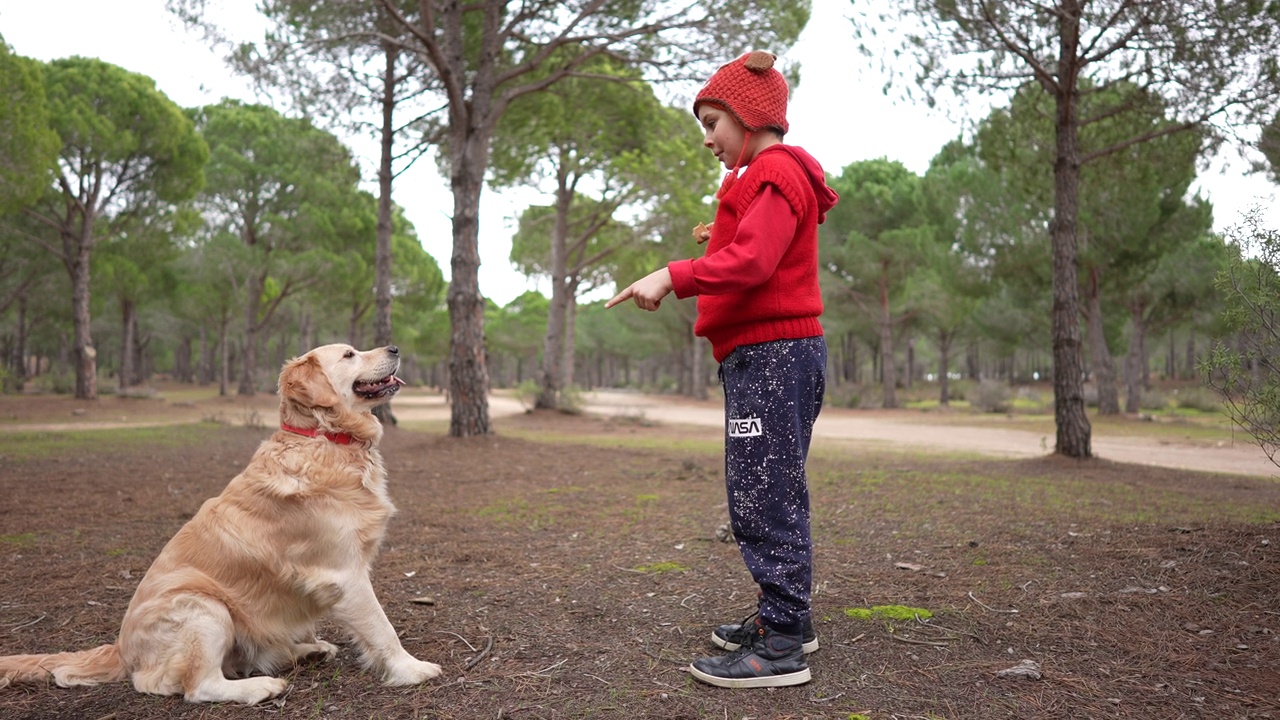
773	394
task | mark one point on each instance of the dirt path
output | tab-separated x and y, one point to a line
871	428
860	426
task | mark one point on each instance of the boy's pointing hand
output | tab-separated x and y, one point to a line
647	292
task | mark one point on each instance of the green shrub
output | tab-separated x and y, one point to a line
1153	399
991	396
1198	398
59	382
527	393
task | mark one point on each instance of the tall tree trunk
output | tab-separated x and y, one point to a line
128	311
944	368
468	374
141	361
382	252
224	359
1104	367
249	353
1189	369
551	375
1073	430
699	366
19	372
204	374
306	332
887	368
911	363
85	355
182	360
1136	359
570	358
353	326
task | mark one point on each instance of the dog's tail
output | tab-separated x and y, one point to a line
88	667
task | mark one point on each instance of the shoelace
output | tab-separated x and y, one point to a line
746	629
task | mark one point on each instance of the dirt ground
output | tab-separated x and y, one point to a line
569	567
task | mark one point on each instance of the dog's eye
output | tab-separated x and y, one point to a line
349	354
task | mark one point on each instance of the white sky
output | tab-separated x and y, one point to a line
839	115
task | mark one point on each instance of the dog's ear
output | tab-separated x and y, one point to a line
303	381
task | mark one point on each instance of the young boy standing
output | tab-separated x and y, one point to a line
758	304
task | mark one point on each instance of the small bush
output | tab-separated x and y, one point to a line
58	383
1090	393
959	389
1153	400
527	393
138	392
843	396
1198	398
571	401
991	396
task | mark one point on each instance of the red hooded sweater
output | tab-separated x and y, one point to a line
758	280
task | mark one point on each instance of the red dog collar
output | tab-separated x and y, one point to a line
339	438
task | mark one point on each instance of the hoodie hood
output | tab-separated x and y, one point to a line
827	198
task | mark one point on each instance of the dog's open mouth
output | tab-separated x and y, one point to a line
385	387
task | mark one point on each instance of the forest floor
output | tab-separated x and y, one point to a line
568	566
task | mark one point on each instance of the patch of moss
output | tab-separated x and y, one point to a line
662	567
19	540
888	612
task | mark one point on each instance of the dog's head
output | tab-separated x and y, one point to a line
333	388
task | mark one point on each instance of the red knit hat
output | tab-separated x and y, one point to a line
751	90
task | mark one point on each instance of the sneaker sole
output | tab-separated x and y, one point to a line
809	647
795	678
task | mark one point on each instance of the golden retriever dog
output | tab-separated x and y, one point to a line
234	596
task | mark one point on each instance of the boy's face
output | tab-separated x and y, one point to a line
723	134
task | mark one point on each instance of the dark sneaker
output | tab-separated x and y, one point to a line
772	659
733	636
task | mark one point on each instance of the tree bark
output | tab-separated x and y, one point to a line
551	375
382	252
1189	368
1135	361
204	372
20	346
1070	417
468	373
1104	367
249	353
570	355
224	359
82	343
128	312
888	370
944	363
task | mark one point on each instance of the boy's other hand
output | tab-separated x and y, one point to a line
702	233
647	292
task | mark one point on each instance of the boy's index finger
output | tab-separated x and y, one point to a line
625	294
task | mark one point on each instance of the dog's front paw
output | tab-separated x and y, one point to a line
411	671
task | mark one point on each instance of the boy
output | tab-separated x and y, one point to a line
758	304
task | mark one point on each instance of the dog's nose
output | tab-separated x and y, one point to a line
393	349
